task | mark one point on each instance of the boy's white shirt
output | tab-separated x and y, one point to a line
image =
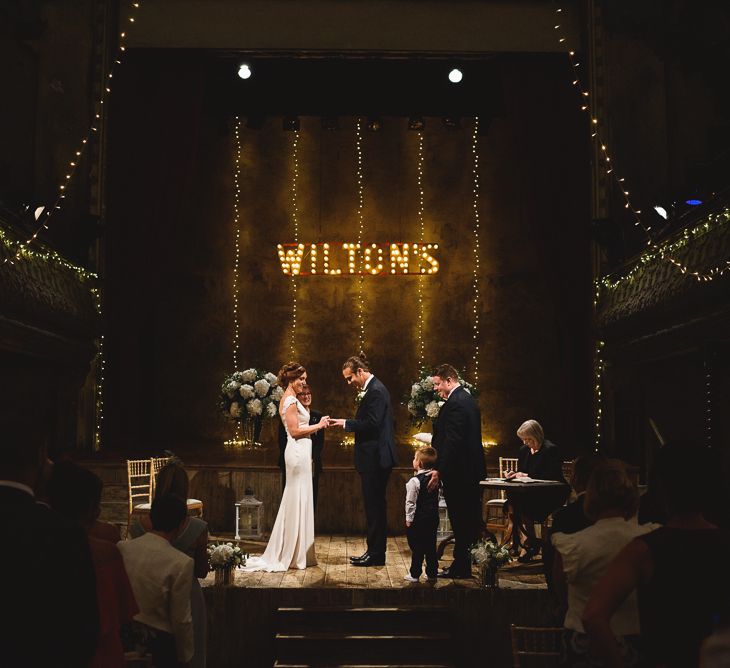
413	486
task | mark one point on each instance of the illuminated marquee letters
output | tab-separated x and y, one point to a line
352	259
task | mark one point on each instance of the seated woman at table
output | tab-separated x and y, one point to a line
581	559
540	459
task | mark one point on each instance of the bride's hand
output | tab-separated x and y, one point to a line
324	422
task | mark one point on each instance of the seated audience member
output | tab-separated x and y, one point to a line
192	540
581	558
162	578
49	590
75	493
570	518
679	571
540	459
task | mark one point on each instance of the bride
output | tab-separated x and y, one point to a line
291	544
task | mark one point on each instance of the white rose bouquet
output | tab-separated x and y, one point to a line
487	553
225	555
423	402
250	395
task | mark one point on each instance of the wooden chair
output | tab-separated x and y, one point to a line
140	485
533	646
496	518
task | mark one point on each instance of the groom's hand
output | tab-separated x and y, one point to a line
337	423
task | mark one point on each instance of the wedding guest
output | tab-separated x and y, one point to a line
192	540
305	398
540	459
422	516
75	493
49	589
677	610
162	578
457	437
581	558
570	518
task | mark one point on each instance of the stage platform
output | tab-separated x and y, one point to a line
249	621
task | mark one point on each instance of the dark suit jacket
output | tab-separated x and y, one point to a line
571	518
457	437
373	427
49	587
317	442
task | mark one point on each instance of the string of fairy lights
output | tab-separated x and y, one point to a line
295	225
422	226
599	368
360	230
476	248
598	133
101	370
82	147
237	239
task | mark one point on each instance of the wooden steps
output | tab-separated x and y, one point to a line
371	637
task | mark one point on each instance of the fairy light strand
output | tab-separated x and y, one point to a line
82	148
421	277
360	230
598	370
237	240
608	164
476	248
294	213
100	372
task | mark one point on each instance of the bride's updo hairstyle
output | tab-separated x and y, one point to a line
290	372
357	362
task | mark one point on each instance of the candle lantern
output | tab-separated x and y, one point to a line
249	515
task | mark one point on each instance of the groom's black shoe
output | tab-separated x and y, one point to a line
370	561
362	557
455	575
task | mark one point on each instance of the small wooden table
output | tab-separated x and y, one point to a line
519	487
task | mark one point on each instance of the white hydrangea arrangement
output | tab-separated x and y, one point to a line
225	555
487	553
423	402
250	395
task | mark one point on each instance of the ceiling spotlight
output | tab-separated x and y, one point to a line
416	123
39	210
244	71
374	123
290	123
455	76
330	123
661	211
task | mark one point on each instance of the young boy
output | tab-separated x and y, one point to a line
422	516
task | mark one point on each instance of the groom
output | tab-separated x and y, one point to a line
374	453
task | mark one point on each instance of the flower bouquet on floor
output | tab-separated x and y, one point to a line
490	557
424	403
249	396
223	559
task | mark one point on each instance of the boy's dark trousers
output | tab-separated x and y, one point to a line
422	541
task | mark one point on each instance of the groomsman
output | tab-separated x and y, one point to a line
457	437
374	453
305	397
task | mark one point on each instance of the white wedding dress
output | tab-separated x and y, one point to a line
291	544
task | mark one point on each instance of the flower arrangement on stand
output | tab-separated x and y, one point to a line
490	557
223	559
424	403
249	396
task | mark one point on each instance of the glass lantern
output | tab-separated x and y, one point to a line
444	529
249	513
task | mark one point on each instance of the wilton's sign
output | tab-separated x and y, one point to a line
352	259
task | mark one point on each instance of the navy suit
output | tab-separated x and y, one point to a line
374	459
457	437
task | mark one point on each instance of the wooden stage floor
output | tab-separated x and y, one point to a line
333	569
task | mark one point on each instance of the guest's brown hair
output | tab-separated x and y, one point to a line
445	371
172	479
356	362
426	456
290	372
611	488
